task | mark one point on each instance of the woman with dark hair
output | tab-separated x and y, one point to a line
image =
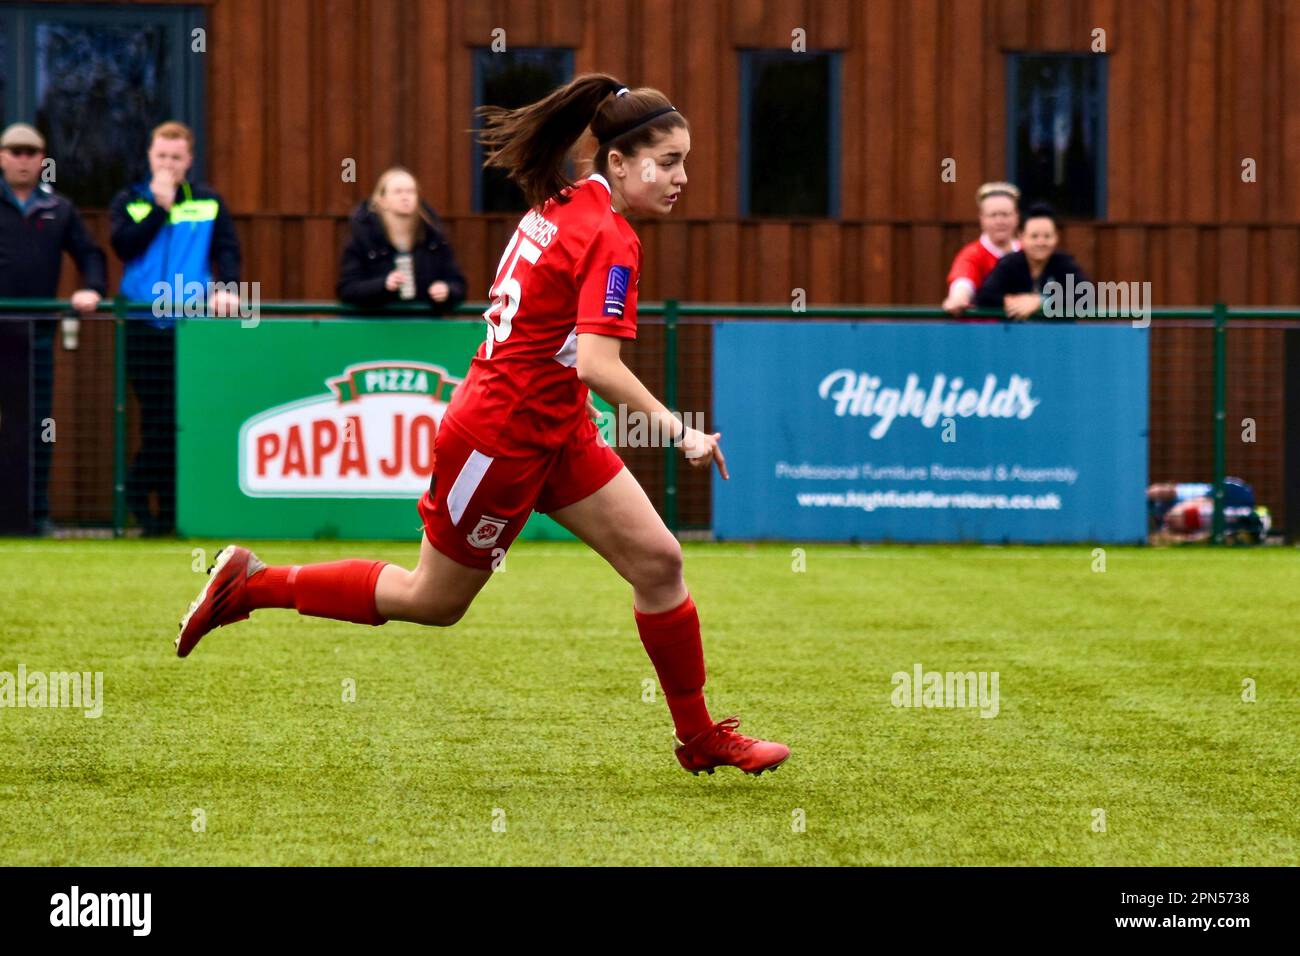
1016	282
397	252
518	434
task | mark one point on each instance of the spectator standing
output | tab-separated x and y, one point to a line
998	205
37	226
1016	282
398	252
166	230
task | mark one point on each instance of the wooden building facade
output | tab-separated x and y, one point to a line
1194	89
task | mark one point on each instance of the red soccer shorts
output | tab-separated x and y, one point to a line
477	504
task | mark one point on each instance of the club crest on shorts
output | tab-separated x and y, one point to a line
486	532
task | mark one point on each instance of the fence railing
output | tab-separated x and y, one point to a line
672	313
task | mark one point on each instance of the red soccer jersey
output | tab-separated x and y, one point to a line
569	268
974	261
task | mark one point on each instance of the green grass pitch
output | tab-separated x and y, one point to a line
1119	691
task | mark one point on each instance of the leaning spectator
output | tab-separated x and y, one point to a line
1016	282
998	205
397	252
36	226
167	231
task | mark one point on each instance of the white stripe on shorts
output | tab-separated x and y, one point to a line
467	482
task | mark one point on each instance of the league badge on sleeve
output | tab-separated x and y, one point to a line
616	290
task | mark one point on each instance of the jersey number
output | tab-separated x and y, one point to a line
507	290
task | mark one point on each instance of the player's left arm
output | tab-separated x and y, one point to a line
601	368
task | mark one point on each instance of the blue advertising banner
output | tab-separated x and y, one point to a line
838	431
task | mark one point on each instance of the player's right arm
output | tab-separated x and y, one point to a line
601	368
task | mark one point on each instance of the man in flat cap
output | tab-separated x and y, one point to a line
37	226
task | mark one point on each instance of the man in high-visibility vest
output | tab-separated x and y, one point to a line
174	237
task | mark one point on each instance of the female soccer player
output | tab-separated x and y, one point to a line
518	435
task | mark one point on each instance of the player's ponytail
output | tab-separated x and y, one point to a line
531	143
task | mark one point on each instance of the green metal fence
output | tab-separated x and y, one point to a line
672	315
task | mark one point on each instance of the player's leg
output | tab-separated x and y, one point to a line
621	525
362	591
590	492
619	522
438	592
358	590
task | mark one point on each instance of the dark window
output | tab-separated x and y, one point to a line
1056	133
95	80
789	137
99	91
511	79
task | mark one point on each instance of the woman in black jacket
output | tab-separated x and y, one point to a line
397	253
1016	282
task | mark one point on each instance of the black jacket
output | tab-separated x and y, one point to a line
1011	277
369	257
32	246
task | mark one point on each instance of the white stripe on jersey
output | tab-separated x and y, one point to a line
466	483
568	353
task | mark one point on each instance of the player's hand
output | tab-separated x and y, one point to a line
85	300
702	449
393	281
592	411
955	305
438	291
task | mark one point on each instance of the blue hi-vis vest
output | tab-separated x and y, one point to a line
182	247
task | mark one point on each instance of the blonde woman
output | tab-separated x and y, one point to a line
397	252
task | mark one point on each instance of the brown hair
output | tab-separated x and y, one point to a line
172	129
532	142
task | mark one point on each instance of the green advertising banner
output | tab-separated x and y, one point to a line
315	428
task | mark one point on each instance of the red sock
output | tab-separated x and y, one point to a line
342	590
672	639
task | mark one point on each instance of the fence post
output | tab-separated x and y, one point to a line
1220	415
119	415
670	399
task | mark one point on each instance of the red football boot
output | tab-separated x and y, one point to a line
721	746
222	600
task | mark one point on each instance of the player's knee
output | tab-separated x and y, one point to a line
660	565
442	615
